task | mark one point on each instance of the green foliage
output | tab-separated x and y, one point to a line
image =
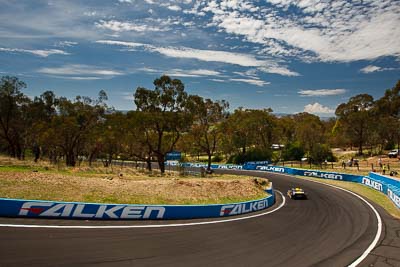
251	155
293	151
168	118
320	153
356	118
217	158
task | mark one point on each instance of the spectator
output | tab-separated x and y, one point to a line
384	169
380	162
356	165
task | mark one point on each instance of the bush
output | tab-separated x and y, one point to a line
251	155
320	153
217	158
293	151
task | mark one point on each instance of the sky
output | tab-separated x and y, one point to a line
291	56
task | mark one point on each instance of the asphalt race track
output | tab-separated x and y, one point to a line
332	228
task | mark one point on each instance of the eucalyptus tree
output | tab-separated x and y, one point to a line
237	134
39	114
309	130
12	117
262	124
387	112
355	118
110	135
207	118
135	138
249	133
164	115
75	120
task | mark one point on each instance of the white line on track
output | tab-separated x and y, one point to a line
357	261
146	226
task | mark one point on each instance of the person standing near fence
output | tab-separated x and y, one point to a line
380	162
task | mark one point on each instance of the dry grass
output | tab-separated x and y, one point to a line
27	180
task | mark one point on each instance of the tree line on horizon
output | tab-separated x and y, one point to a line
167	118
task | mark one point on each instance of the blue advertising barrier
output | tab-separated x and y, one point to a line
387	185
173	155
328	175
384	184
77	210
204	165
252	165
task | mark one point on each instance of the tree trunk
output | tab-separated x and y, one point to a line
209	161
70	159
148	161
18	151
161	163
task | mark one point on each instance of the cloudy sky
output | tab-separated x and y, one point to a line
292	56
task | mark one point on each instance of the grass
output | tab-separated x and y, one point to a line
367	192
41	181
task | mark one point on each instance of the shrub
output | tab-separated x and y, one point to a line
217	158
251	155
320	153
293	151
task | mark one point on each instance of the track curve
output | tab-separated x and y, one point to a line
332	228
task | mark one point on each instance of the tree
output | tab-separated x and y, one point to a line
387	110
207	117
39	114
75	120
111	133
355	117
136	137
249	133
12	120
164	114
309	130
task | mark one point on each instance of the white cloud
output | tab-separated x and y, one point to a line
317	108
251	81
121	43
313	30
183	73
128	96
244	60
322	92
240	59
195	73
80	72
218	80
120	26
281	70
174	8
40	53
79	78
370	68
66	44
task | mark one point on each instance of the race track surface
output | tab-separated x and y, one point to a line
332	228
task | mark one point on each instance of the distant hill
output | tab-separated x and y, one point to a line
324	118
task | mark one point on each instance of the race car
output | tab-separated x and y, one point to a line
296	193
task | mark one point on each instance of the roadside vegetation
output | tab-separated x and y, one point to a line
69	137
123	185
167	118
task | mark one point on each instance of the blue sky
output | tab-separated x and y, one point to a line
292	56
